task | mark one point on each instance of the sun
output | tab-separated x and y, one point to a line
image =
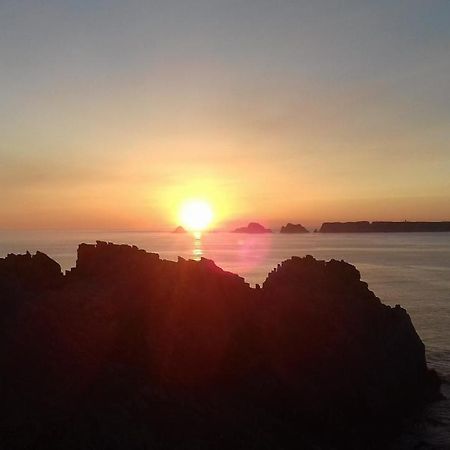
196	215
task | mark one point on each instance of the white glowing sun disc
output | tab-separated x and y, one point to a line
196	215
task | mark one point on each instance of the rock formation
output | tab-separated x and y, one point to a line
384	227
253	228
179	229
293	228
130	351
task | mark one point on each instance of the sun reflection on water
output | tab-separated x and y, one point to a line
197	251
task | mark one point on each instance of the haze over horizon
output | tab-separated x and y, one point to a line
114	113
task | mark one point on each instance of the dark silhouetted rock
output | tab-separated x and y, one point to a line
293	228
30	272
179	229
254	228
130	351
384	227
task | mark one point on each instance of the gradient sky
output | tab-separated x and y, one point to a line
113	112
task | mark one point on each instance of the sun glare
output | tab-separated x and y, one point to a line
196	215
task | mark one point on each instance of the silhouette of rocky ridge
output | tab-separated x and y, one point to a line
130	351
253	227
293	228
383	227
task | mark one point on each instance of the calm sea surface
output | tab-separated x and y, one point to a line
410	269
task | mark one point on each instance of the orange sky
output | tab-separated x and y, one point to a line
110	118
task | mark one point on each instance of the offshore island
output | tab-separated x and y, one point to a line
127	350
253	228
292	228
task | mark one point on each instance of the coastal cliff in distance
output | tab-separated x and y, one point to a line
291	228
127	350
383	227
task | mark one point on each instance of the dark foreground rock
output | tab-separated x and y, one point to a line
131	351
254	228
293	228
384	227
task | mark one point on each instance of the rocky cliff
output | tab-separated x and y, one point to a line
384	227
131	351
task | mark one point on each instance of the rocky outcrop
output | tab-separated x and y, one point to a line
30	272
179	229
130	351
384	227
293	228
253	228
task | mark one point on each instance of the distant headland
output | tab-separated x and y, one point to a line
383	227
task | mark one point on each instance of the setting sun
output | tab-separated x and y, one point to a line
196	215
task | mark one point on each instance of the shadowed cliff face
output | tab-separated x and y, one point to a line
131	351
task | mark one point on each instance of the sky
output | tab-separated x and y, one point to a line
113	113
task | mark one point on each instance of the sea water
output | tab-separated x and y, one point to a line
410	269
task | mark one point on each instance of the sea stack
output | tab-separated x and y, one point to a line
179	230
292	228
253	228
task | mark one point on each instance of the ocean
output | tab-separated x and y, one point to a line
410	269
